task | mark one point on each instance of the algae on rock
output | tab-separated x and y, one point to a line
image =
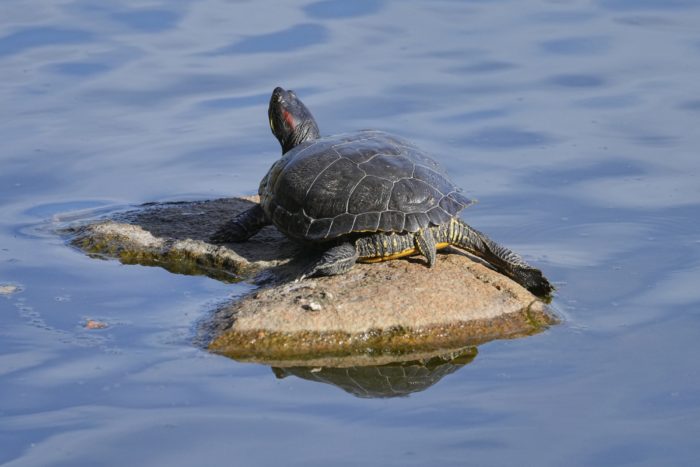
375	312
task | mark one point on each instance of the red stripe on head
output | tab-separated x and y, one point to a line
289	119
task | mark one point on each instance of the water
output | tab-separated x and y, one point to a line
573	122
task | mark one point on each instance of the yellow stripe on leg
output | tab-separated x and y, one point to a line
378	259
401	254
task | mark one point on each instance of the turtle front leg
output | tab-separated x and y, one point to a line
338	259
241	227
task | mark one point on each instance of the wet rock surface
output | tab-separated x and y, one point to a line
373	315
175	236
9	289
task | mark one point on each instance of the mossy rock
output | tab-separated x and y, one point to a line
379	311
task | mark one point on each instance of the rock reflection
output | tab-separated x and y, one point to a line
394	379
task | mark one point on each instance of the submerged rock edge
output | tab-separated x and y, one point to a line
376	346
131	244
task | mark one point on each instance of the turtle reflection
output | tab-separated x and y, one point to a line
396	379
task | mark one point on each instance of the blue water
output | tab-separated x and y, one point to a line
574	123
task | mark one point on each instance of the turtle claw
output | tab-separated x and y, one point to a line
300	278
337	259
307	272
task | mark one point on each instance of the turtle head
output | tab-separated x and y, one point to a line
290	120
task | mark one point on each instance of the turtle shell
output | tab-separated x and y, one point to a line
367	181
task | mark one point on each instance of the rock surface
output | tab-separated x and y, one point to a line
389	308
9	289
374	314
174	236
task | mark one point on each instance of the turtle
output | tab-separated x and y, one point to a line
364	196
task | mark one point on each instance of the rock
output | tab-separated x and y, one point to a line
375	314
313	306
9	289
94	324
174	236
387	308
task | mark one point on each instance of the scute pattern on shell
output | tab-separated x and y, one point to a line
367	181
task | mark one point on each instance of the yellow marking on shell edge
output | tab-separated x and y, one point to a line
272	125
401	254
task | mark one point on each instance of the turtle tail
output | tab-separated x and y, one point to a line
504	260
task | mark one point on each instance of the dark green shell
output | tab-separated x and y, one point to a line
367	181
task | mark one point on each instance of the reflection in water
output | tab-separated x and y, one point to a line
396	379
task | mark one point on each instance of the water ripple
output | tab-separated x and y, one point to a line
577	80
147	20
486	66
626	5
343	9
81	69
30	38
621	101
585	45
290	39
507	138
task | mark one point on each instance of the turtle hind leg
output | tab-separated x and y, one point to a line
338	259
533	280
461	235
425	243
241	227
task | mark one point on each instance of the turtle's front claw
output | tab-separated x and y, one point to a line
306	273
